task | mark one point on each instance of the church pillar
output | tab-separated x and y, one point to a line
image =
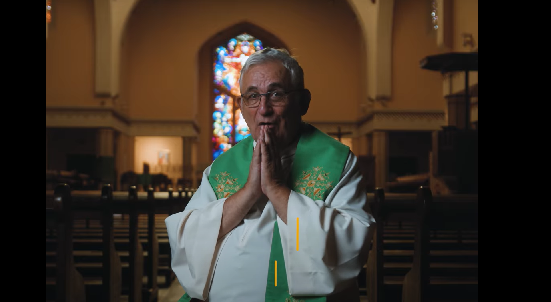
105	142
105	152
380	150
456	111
194	172
124	159
359	145
187	165
46	148
121	157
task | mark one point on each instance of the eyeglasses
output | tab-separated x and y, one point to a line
276	97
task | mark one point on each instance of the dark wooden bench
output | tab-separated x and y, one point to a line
130	237
453	254
63	282
444	214
166	203
374	267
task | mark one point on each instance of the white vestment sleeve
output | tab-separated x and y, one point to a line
193	256
334	236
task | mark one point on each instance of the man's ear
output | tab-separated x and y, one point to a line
238	103
305	97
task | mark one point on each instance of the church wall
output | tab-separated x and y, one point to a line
163	39
363	107
414	88
70	55
465	20
159	57
123	101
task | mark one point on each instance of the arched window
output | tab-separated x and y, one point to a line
229	127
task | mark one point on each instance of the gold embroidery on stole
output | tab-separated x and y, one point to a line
313	183
226	185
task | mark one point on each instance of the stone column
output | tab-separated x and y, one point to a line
456	111
105	142
380	150
194	173
123	158
360	145
187	166
46	148
105	151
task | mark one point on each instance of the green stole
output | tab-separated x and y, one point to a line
313	174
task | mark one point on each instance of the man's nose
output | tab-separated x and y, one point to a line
265	106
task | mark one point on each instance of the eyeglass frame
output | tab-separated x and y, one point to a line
268	99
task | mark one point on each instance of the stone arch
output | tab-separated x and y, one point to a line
110	22
376	19
205	86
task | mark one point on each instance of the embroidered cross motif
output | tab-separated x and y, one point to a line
225	185
313	183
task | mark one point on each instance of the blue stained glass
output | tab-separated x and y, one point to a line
229	127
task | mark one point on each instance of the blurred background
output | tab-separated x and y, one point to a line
143	92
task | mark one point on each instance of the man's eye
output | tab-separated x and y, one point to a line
278	94
253	96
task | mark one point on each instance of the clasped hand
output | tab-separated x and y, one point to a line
266	173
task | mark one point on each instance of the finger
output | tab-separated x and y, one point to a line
264	149
267	137
272	148
261	136
256	153
267	156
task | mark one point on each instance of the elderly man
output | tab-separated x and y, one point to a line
281	216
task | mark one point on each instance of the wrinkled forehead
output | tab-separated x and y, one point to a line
272	72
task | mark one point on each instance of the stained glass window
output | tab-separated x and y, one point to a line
229	126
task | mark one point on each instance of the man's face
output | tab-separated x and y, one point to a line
282	121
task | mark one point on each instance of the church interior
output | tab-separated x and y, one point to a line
142	96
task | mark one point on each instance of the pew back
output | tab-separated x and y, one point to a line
399	244
102	206
457	212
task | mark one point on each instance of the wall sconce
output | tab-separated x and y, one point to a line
468	40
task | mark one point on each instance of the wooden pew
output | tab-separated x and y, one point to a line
112	271
133	205
449	214
392	251
68	282
135	261
110	281
151	291
395	209
374	267
165	204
